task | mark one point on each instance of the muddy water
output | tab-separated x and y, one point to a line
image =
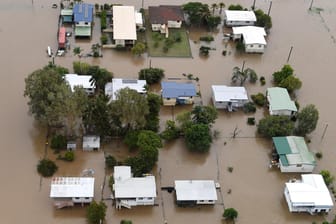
29	26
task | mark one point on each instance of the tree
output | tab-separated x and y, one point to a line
110	161
138	49
214	6
47	92
125	222
100	77
96	212
235	7
58	142
281	75
171	132
198	137
327	177
307	120
230	214
221	6
148	139
197	12
152	118
151	75
291	83
81	68
204	115
263	19
272	126
46	167
131	108
238	76
213	21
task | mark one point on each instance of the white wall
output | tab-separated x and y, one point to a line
238	23
254	48
174	24
82	200
304	168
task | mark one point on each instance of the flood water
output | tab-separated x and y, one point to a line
255	191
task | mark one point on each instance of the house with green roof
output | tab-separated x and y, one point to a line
294	156
279	102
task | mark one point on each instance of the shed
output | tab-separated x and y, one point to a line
165	16
239	18
280	102
69	190
67	15
294	155
178	93
229	97
253	38
308	195
91	142
124	25
111	88
132	191
80	81
193	192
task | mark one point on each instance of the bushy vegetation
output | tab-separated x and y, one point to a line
262	80
58	142
46	167
207	38
285	78
251	120
235	7
327	177
272	126
96	212
263	20
110	161
103	39
151	75
249	107
259	99
204	50
307	120
171	131
230	214
103	23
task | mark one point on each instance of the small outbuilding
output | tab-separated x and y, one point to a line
229	97
294	155
91	143
80	81
111	88
308	195
177	93
253	38
124	25
132	191
239	18
66	191
67	15
195	192
279	102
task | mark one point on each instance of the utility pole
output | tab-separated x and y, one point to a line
311	4
142	4
253	6
290	52
325	130
269	9
243	66
150	63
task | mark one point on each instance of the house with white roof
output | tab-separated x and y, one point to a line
308	195
80	81
239	18
177	93
132	191
91	143
124	25
229	97
294	155
195	192
66	191
111	88
279	102
253	38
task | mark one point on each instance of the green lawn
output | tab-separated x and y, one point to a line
178	46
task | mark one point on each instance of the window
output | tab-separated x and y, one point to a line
298	165
87	198
251	45
260	45
86	23
140	199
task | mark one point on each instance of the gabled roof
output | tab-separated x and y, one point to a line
66	12
251	34
164	13
279	99
174	89
111	88
312	191
79	80
126	186
194	190
293	150
240	15
69	187
224	93
124	27
83	12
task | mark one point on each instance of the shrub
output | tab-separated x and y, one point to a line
204	50
259	99
125	221
230	169
110	161
58	142
103	23
251	120
327	177
171	132
151	75
156	44
262	80
240	46
111	182
249	107
235	7
69	156
319	155
165	49
81	68
208	38
103	39
46	167
177	37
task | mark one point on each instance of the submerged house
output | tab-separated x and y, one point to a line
294	155
83	19
124	26
111	88
165	16
195	192
66	191
229	97
132	191
279	102
308	195
239	18
253	38
80	81
177	93
91	143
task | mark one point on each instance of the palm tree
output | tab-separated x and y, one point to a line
214	6
221	6
238	75
230	214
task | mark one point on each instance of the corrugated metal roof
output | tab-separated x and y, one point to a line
164	13
174	89
279	99
240	15
111	88
79	80
224	93
83	12
194	190
69	187
251	34
124	27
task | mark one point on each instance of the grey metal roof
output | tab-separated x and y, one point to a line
174	89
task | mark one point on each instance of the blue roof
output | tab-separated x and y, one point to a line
174	90
83	12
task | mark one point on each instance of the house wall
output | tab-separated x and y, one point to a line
174	24
156	27
205	202
120	42
300	168
82	200
224	104
169	101
84	24
280	112
254	48
238	23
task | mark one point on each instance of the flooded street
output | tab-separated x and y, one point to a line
254	190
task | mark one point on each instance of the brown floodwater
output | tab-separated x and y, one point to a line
29	26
